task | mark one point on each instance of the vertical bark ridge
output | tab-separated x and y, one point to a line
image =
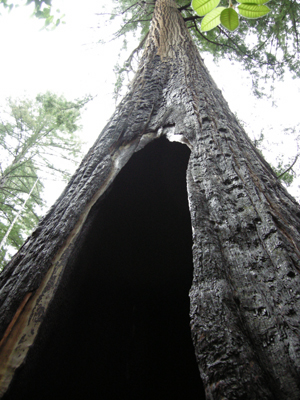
166	33
242	193
254	226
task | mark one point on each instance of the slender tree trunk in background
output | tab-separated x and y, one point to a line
246	288
3	241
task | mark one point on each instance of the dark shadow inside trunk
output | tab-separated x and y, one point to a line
119	325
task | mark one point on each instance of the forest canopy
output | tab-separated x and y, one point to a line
265	47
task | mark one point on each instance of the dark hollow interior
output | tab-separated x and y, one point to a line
119	325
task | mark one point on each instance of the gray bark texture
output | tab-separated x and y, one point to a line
246	288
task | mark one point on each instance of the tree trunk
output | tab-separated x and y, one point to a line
246	244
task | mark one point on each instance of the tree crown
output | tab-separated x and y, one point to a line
38	140
266	47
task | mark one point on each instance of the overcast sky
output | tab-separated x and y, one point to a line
69	61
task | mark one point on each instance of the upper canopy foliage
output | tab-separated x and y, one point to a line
266	47
42	10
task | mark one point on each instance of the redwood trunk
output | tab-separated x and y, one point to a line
246	244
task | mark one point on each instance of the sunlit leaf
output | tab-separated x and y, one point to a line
257	2
229	19
253	11
202	7
46	12
212	19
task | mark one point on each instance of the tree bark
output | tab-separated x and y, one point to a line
245	293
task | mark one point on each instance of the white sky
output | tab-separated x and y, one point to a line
69	61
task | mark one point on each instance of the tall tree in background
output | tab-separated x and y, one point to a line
246	242
38	140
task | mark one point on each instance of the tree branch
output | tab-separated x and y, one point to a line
193	18
289	168
184	7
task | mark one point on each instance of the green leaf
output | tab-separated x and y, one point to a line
212	19
229	19
258	2
32	132
203	7
49	20
46	12
253	11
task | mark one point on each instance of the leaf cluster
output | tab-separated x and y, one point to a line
135	16
285	166
42	10
227	16
38	140
285	173
266	47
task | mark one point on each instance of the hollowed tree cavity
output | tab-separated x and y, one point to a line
119	325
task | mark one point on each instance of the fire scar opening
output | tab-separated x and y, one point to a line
118	327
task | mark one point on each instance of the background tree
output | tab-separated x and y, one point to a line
38	140
285	165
